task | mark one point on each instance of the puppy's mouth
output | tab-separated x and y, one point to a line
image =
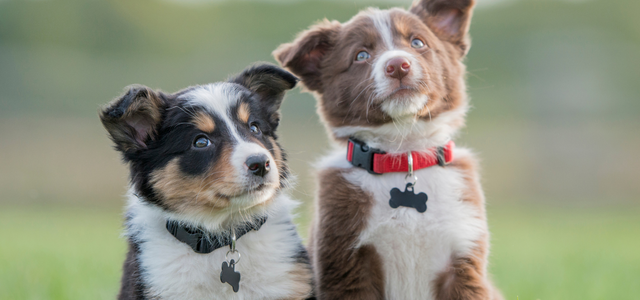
253	190
257	188
403	91
403	101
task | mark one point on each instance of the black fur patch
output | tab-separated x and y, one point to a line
269	83
132	286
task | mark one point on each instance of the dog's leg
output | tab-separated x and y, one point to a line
344	272
466	276
302	277
132	287
463	279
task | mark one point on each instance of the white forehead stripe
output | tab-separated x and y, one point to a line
217	98
382	20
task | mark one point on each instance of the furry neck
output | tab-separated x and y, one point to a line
408	134
215	222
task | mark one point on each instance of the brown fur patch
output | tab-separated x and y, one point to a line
449	19
277	153
346	98
304	55
210	191
204	122
468	166
244	112
466	277
343	272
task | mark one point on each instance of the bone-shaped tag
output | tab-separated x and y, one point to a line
408	199
230	276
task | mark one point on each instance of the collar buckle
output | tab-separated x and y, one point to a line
361	155
440	156
194	237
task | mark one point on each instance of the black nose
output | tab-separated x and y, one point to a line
258	165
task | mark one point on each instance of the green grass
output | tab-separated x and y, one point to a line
537	253
59	254
566	253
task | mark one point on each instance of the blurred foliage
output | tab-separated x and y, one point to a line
553	85
70	56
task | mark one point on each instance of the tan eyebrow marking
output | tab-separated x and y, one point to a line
204	122
243	112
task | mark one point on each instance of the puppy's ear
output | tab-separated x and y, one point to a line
449	19
270	83
304	55
131	119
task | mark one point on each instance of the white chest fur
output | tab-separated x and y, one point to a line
172	270
415	247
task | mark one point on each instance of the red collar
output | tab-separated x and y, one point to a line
377	161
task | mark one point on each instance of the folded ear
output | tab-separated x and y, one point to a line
270	84
304	55
131	120
449	19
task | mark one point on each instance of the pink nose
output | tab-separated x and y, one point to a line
398	67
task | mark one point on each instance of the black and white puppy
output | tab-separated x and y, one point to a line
207	217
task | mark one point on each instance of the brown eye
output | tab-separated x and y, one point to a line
254	128
201	142
417	43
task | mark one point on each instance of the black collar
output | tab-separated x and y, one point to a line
203	242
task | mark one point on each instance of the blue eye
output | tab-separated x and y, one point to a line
362	56
201	142
254	128
417	43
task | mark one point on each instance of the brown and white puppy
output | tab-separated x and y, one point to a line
203	162
394	79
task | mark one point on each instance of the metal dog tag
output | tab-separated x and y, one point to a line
230	276
408	199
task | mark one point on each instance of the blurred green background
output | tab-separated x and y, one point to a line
555	119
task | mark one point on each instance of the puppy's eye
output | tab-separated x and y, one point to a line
254	128
417	43
362	56
201	142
